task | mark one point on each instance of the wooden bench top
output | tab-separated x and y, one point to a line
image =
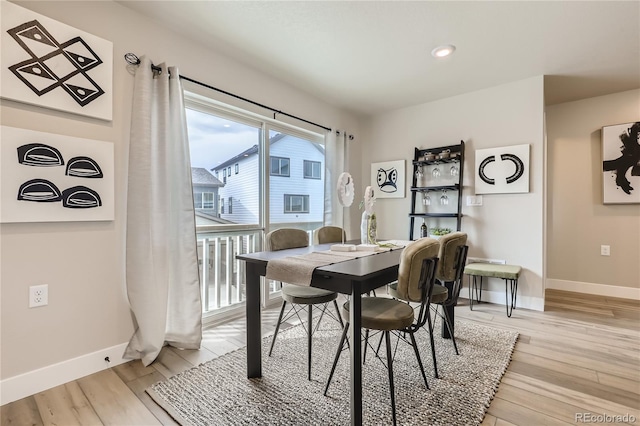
493	270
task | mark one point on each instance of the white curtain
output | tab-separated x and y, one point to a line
163	282
335	153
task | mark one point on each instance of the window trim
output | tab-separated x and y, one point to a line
312	162
271	173
304	197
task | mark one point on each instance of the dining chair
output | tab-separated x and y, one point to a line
453	257
329	234
416	278
448	268
299	297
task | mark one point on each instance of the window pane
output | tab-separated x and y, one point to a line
296	202
216	143
312	169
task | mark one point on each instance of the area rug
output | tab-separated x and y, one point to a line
218	392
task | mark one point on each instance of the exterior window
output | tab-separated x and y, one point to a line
296	203
230	205
229	171
221	205
279	166
207	200
312	169
224	172
237	168
197	201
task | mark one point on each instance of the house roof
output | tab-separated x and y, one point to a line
201	176
254	150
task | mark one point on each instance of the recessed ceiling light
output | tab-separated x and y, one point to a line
227	125
442	51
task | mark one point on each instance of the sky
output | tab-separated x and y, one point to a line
213	140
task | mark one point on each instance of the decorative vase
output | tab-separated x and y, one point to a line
368	228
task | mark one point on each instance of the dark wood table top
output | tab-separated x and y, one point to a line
371	270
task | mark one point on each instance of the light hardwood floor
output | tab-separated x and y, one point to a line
582	355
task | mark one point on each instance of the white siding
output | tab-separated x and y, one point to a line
243	188
297	150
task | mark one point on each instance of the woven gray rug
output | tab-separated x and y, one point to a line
218	392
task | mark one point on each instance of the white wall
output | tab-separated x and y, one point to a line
578	222
507	226
83	263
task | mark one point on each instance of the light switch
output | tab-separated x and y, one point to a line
474	200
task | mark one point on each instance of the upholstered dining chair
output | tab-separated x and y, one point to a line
329	234
416	278
299	297
453	257
448	269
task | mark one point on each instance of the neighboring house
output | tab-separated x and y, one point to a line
205	196
296	174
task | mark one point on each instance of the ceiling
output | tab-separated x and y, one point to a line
370	57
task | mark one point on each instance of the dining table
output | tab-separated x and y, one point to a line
353	277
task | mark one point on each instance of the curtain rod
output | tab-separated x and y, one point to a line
133	59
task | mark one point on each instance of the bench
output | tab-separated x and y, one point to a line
509	273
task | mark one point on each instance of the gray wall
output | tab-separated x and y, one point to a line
83	263
578	222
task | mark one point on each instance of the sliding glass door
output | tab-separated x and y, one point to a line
250	175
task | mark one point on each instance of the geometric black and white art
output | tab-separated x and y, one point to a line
47	63
502	170
46	177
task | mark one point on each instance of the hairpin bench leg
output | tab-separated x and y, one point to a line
513	284
474	288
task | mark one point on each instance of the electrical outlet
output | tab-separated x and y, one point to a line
38	295
605	250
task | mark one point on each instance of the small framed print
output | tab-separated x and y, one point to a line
387	179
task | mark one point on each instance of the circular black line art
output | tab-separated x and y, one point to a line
519	166
481	173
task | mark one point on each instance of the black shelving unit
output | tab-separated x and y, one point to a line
426	185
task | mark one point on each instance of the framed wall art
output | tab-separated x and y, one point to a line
503	170
53	65
46	177
621	163
387	179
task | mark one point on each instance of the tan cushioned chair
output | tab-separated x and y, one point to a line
416	277
299	297
329	234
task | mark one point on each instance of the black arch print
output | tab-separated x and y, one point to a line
481	173
505	157
39	155
80	197
83	167
519	167
40	191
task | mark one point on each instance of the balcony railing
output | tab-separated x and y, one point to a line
221	274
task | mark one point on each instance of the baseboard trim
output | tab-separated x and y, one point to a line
23	385
498	297
595	289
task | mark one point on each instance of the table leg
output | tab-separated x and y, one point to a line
254	328
451	312
355	308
